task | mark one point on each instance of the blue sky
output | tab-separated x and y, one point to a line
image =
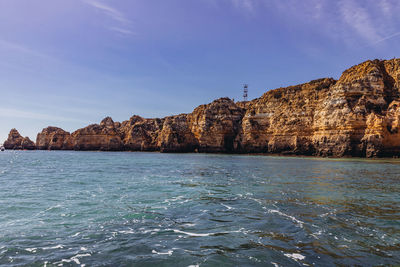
69	63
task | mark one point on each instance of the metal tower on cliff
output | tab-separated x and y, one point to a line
245	91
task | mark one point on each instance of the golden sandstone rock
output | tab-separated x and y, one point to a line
16	141
358	115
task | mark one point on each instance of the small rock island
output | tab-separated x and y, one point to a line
358	115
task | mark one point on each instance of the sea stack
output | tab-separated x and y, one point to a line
16	141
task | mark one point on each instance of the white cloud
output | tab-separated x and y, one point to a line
108	10
246	5
19	48
121	31
386	38
351	22
387	7
114	14
358	18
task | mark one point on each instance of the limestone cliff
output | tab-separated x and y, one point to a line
216	125
350	117
141	134
176	135
16	141
54	138
358	115
103	136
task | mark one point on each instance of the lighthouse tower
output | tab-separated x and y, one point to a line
245	91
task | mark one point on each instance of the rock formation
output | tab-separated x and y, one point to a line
216	125
54	138
97	137
358	115
176	135
16	141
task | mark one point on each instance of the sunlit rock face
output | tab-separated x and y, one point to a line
176	136
358	115
54	138
16	141
282	120
103	136
355	116
216	125
141	134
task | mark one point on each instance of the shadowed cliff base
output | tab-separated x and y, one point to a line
358	115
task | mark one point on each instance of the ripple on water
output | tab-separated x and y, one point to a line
86	208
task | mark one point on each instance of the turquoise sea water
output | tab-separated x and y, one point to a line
151	209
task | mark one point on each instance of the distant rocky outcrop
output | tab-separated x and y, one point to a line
16	141
54	138
358	115
103	136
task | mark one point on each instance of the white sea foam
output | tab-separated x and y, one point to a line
33	250
151	231
205	234
53	207
189	224
254	259
256	200
228	207
55	247
192	234
169	252
74	259
295	256
316	234
130	231
300	223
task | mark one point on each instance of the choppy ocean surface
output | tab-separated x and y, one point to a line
151	209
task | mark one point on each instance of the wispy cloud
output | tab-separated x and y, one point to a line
349	21
386	38
108	10
358	18
19	48
122	31
245	5
123	22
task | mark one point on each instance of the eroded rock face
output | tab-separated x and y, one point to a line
103	136
358	115
54	138
16	141
350	117
216	125
282	120
142	134
176	135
